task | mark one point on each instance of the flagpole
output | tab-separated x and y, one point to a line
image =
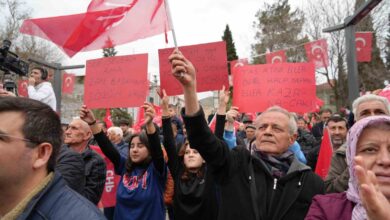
171	23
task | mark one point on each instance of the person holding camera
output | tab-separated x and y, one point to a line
40	89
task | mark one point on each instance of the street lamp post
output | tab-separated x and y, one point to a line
349	28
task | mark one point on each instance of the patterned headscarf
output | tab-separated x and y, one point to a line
354	133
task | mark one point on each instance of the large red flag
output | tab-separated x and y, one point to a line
68	83
107	118
363	46
276	57
22	88
325	155
106	22
317	52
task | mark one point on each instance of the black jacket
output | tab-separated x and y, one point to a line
195	198
58	201
287	198
71	166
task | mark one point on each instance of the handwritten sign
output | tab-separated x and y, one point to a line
209	60
288	85
114	82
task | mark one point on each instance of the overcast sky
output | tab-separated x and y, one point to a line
195	22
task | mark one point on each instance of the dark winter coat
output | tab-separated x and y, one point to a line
245	195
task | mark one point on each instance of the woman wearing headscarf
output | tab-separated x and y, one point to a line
368	157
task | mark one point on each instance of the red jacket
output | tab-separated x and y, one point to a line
330	206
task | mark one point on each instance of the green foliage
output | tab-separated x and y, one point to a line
278	27
371	74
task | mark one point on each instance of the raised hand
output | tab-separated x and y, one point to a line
223	100
232	114
164	102
376	204
87	115
182	69
149	112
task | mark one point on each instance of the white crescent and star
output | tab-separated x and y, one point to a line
276	58
314	49
361	40
68	81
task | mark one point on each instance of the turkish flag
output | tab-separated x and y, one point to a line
317	52
234	64
141	118
363	46
325	155
22	88
68	83
319	104
107	118
106	22
276	57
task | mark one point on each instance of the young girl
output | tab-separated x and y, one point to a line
143	173
195	192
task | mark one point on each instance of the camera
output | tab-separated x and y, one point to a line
11	63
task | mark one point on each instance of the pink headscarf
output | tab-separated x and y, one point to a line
354	133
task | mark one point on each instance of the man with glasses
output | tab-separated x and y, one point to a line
30	138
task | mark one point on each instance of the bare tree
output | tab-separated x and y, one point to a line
13	13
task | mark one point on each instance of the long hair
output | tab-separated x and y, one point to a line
186	174
130	165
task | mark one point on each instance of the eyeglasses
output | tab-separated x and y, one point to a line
4	137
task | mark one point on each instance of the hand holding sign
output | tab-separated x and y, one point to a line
182	69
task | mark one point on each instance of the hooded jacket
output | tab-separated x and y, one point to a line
248	190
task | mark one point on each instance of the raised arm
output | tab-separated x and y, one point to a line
153	138
169	140
221	113
104	143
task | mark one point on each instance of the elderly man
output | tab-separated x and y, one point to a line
362	107
30	188
270	183
115	135
76	138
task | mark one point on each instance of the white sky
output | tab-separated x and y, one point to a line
195	22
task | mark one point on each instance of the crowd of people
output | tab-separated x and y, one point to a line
261	169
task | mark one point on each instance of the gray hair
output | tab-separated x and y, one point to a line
116	131
292	124
369	98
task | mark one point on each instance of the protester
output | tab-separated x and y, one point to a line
268	184
115	135
337	127
76	138
195	194
124	124
143	172
364	106
39	88
30	188
318	128
368	143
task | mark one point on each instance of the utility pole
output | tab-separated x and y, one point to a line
349	28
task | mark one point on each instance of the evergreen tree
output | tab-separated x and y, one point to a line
231	55
372	74
278	27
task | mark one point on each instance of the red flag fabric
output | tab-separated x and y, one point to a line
238	63
317	52
276	57
109	193
112	22
107	118
22	88
363	46
319	104
214	121
141	120
68	83
324	156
